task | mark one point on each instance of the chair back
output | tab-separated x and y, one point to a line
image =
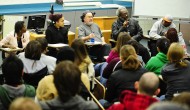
99	90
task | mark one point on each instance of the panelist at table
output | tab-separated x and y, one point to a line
89	30
56	32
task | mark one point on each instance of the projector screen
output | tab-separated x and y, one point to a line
159	8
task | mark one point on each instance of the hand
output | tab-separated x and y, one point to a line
11	47
103	43
126	23
91	36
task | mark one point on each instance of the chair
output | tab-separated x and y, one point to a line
76	32
96	101
34	78
112	42
71	37
107	35
99	90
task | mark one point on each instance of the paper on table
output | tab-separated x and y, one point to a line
11	50
59	45
93	43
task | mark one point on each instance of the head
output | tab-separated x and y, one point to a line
57	19
122	39
162	45
12	69
134	43
128	57
172	35
176	54
148	84
65	53
33	50
122	13
183	98
44	44
67	80
164	105
80	50
20	28
87	17
24	103
167	20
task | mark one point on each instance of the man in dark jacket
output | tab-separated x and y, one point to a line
126	24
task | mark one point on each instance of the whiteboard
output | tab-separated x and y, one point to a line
159	8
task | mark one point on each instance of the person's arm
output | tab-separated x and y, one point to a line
49	36
66	37
116	30
110	92
83	36
153	32
139	34
4	43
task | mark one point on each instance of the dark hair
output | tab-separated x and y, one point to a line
134	43
122	39
84	14
172	35
43	42
163	44
33	50
80	50
12	69
129	58
67	80
65	53
55	17
18	26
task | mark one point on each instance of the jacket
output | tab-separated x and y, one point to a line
133	29
122	80
133	101
177	79
156	63
75	103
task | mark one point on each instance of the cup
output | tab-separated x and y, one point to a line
92	40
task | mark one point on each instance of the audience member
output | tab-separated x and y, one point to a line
89	30
13	86
126	24
146	87
66	74
48	60
159	30
176	73
182	98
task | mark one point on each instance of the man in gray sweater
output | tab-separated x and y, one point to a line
89	30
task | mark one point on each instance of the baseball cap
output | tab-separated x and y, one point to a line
168	18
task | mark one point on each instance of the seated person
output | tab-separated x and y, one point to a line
18	38
46	89
124	78
126	24
146	87
34	67
173	36
89	30
176	73
158	30
156	63
48	60
13	86
56	32
66	74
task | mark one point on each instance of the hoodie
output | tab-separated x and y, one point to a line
133	101
156	63
75	103
177	79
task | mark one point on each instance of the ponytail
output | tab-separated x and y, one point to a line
130	63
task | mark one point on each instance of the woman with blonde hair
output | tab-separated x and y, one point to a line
176	73
124	78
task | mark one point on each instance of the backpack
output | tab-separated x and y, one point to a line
6	100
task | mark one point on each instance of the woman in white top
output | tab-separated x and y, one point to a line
17	38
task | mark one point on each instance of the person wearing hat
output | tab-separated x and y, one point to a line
159	30
126	24
89	30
